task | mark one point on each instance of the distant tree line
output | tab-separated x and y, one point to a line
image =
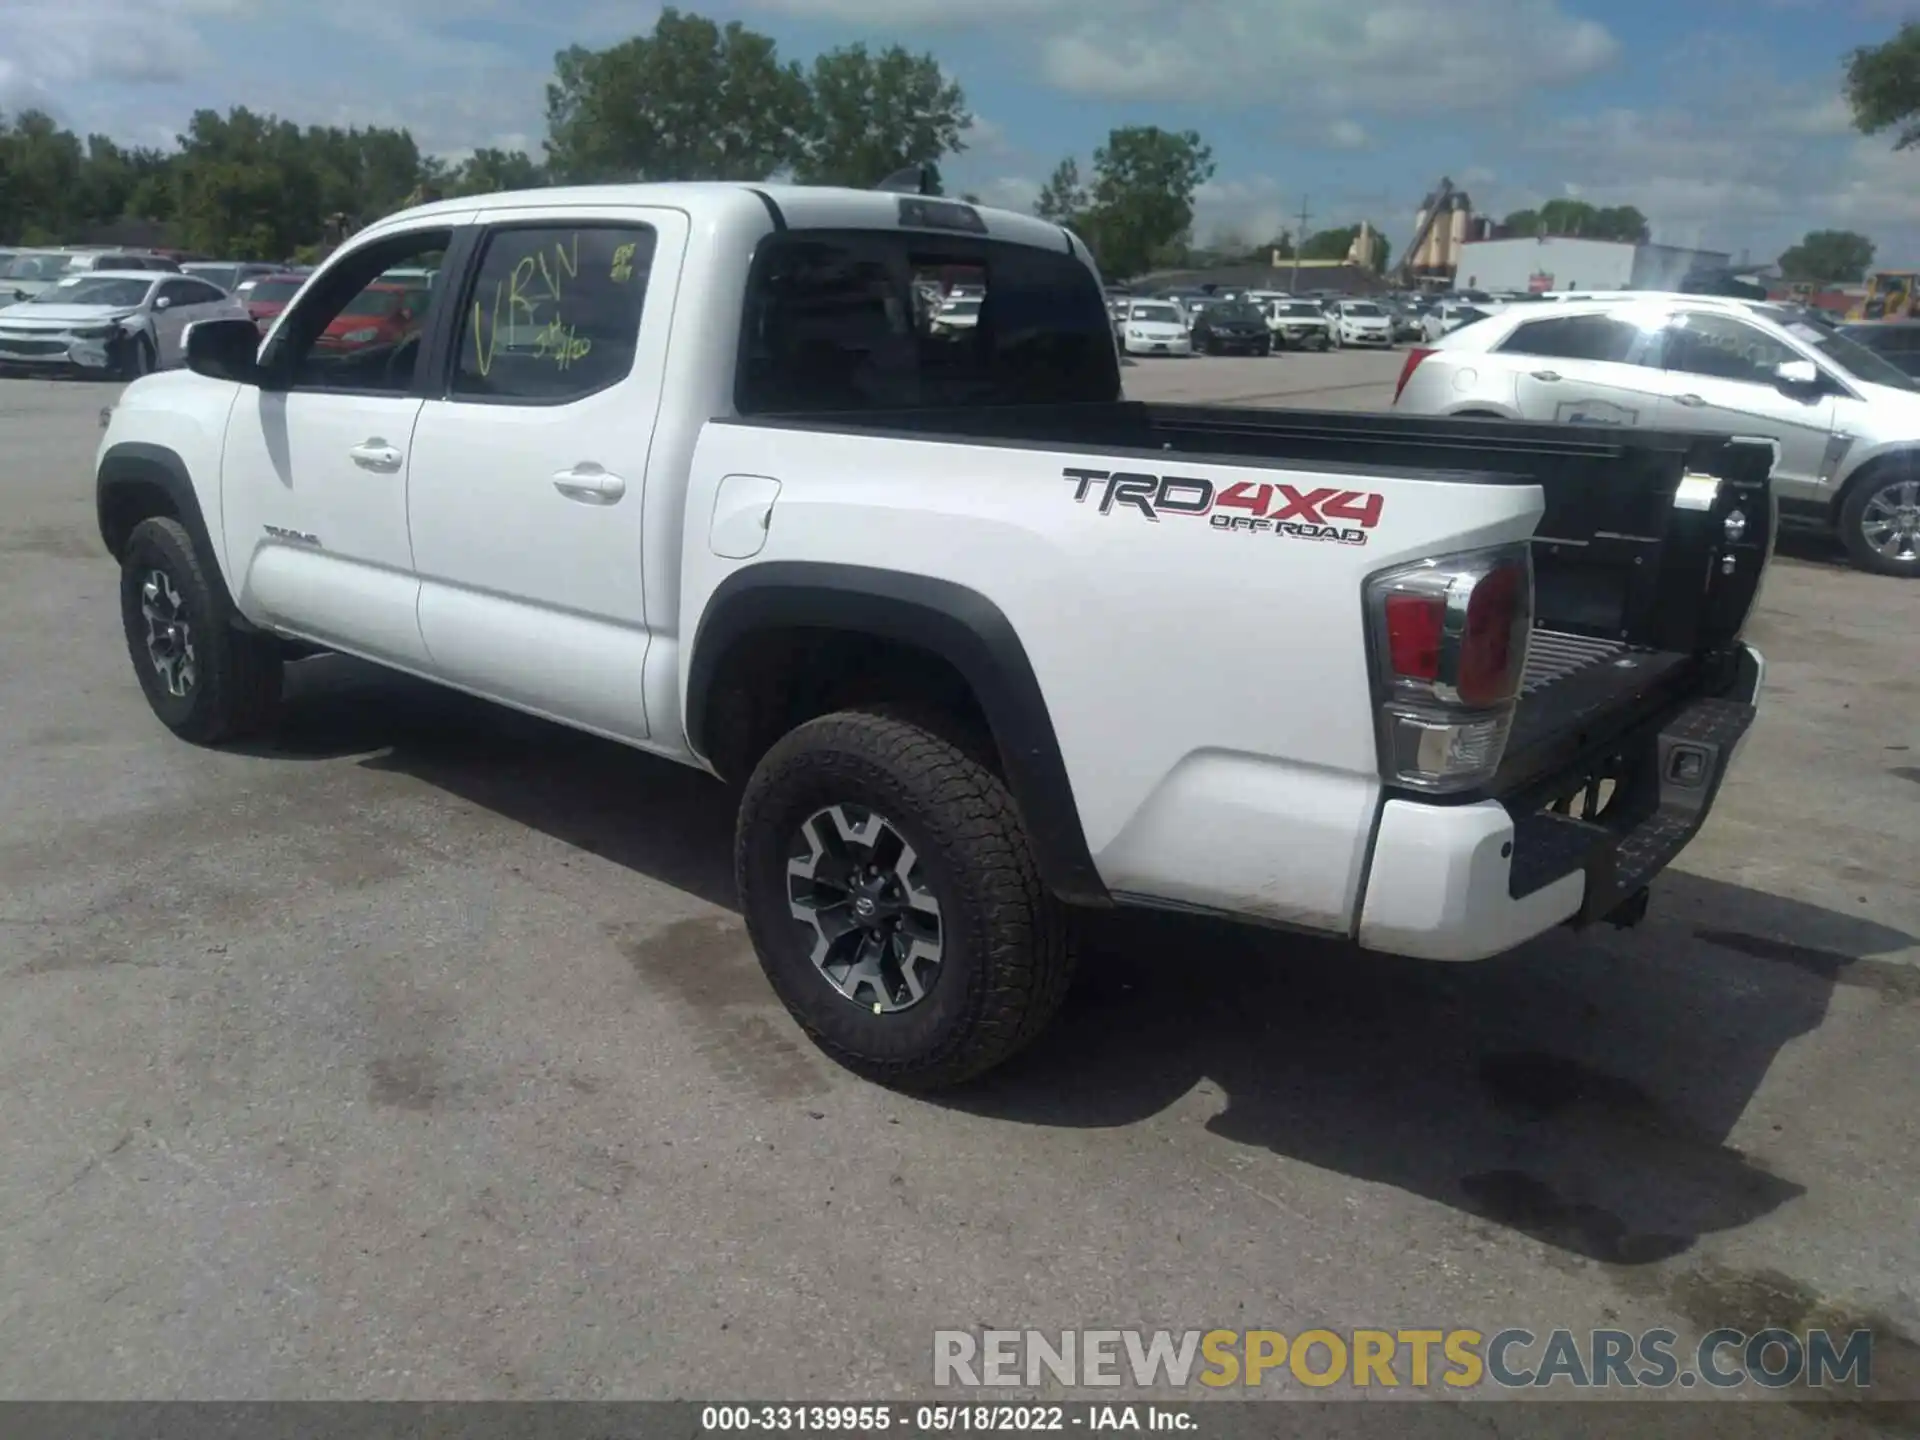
693	99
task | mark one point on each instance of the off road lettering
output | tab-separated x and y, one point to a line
1257	507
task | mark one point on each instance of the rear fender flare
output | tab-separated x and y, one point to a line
957	624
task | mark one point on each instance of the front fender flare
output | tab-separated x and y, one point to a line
134	466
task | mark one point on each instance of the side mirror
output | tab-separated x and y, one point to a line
224	350
1797	375
162	303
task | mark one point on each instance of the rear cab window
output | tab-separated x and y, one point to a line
832	323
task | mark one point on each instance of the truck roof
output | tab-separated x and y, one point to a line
812	207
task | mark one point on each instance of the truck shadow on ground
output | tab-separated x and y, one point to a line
1581	1091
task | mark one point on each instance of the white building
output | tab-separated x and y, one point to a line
1565	262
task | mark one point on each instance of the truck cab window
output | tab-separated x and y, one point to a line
875	321
357	330
554	313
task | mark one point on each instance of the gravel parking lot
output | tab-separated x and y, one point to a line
422	1055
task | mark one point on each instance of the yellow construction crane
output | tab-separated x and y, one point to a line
1891	295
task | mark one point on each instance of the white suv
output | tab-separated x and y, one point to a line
1845	424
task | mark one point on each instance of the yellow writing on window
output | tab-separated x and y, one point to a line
623	263
532	284
560	344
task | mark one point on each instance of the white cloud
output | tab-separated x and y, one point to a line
1347	135
1757	176
986	138
1004	192
55	43
1398	56
1253	209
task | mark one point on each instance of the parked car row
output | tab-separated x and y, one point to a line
1252	321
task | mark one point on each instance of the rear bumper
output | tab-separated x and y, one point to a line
1466	882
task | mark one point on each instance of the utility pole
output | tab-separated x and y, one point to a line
1299	239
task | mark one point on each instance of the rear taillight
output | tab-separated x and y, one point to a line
1450	648
1414	356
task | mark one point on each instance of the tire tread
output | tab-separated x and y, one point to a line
967	811
241	674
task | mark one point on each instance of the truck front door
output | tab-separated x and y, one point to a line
527	490
314	473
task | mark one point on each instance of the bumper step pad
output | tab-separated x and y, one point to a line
1691	753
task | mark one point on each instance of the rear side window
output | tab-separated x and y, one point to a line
839	321
554	313
1576	337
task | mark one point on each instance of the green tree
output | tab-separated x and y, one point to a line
489	171
243	184
43	167
1620	222
1577	217
869	115
1063	199
1828	256
1883	87
1337	244
690	101
1140	207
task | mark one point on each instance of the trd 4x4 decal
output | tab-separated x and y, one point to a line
1326	513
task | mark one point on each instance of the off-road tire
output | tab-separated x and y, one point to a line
1007	944
1853	513
237	674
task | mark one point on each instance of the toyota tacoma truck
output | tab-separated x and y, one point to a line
975	640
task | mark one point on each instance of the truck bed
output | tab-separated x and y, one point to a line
1640	592
1615	557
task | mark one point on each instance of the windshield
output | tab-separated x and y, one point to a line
276	292
1301	308
93	290
1851	356
1361	307
221	275
1156	314
34	267
961	307
1237	310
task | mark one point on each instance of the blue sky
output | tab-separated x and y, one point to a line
1721	119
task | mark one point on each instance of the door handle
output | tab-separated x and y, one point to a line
375	454
590	483
1548	375
1691	401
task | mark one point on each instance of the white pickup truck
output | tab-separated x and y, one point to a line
979	641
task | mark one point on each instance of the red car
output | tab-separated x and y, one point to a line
268	296
378	315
